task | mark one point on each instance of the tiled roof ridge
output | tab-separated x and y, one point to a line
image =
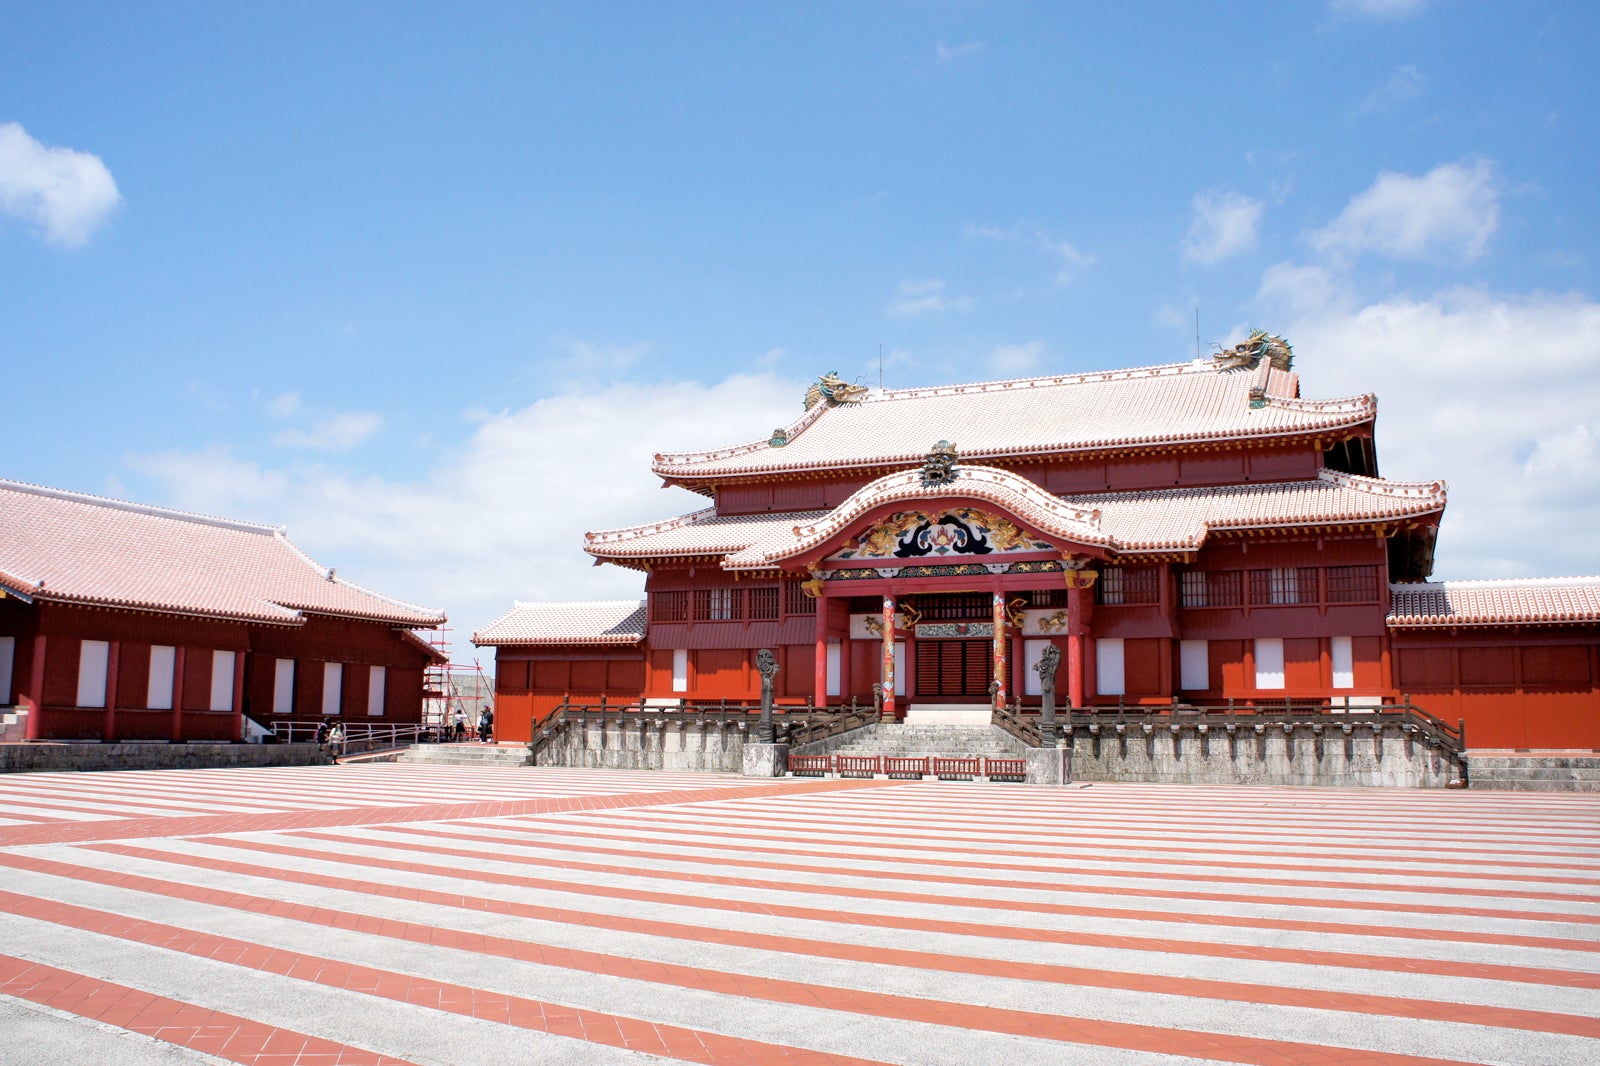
138	508
20	583
665	461
670	459
330	574
520	605
1364	404
1378	486
986	483
644	529
1498	583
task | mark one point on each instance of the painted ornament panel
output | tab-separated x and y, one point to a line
956	531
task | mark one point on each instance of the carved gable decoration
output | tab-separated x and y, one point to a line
949	532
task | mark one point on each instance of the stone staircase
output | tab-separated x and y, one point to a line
912	739
13	725
467	755
1511	771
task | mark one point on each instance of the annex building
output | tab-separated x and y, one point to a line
1186	534
121	621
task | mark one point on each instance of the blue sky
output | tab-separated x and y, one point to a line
430	284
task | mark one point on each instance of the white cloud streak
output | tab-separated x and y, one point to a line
67	194
1072	261
1447	214
337	433
1403	86
1224	225
926	297
501	517
1382	10
1495	394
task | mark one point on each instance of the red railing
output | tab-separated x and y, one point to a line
910	767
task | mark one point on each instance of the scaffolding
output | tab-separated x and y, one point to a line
450	686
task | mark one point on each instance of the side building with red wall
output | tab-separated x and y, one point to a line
120	621
1191	533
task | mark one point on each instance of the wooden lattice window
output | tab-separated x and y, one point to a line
718	605
1283	585
669	606
1129	584
763	601
795	600
1352	584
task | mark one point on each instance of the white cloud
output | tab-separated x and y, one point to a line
284	405
338	433
1378	9
1072	261
918	298
949	53
1016	360
66	193
1224	225
1495	394
597	359
1403	86
1448	213
1298	288
502	516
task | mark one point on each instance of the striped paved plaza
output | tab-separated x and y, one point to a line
391	913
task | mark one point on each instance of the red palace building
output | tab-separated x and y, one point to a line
1184	534
120	621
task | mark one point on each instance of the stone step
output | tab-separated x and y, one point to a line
466	755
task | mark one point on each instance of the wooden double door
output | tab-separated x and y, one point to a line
957	670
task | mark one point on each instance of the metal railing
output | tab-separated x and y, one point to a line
357	737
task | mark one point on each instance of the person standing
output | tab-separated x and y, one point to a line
485	723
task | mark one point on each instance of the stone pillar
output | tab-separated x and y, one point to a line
36	688
1002	657
1049	660
767	664
888	659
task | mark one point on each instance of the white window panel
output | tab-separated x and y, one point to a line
332	688
1109	679
680	669
379	677
1194	662
222	664
158	693
1344	663
8	658
1269	662
902	681
833	668
283	687
92	660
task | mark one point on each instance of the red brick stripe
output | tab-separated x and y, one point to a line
213	1032
547	861
460	999
612	1030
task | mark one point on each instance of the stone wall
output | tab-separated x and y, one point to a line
1267	754
43	757
646	743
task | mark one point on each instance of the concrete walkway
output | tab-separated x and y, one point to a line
435	914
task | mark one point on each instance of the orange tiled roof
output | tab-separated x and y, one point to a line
75	548
1172	404
1526	601
601	622
1157	520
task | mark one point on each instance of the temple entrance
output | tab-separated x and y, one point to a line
954	670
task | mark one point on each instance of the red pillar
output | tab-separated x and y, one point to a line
821	667
238	696
1002	668
1076	628
888	658
177	694
36	689
108	732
